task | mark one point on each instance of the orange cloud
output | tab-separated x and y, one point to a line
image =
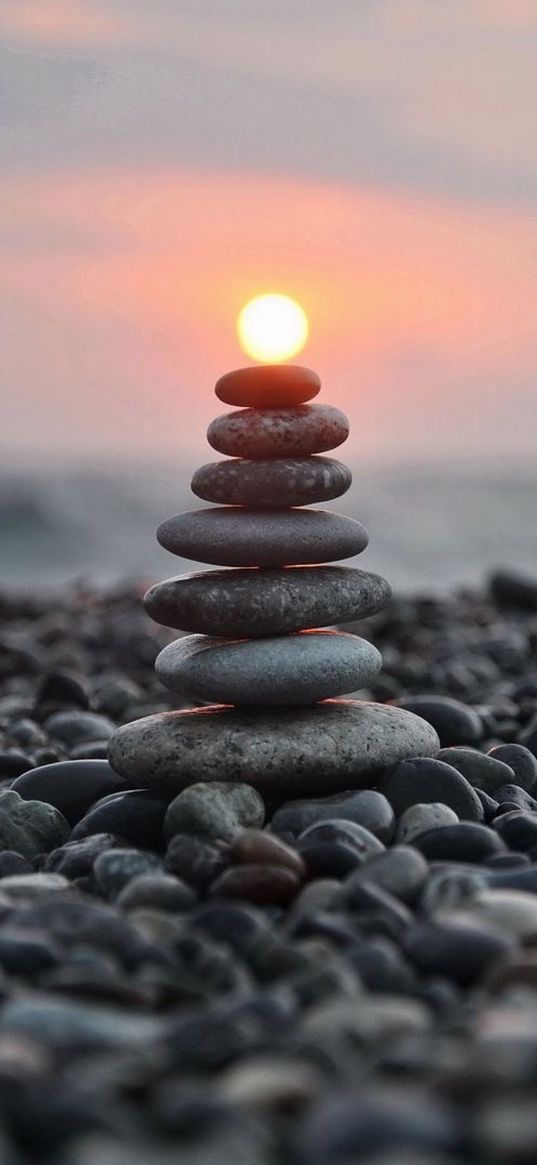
53	22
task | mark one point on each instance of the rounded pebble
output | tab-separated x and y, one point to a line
278	432
266	386
299	481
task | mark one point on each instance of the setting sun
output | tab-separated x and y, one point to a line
272	328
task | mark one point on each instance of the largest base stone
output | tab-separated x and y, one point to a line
284	754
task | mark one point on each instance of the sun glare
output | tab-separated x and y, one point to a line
272	328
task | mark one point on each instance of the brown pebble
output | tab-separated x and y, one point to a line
268	386
255	847
263	884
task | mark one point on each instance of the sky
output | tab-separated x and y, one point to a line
162	161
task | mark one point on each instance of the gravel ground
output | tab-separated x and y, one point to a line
212	980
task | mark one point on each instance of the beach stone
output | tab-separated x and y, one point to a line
197	861
421	817
482	770
366	807
217	811
265	386
521	761
298	481
291	669
157	891
115	868
334	745
462	952
455	722
13	762
422	780
234	536
71	786
137	816
30	827
353	1126
518	829
278	432
514	590
400	871
466	842
256	846
514	911
260	884
74	728
266	602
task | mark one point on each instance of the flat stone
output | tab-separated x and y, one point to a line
266	602
285	669
285	432
233	536
70	786
268	386
339	744
456	723
292	481
422	781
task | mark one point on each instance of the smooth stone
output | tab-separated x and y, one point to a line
366	807
137	816
272	1083
266	602
197	861
455	723
334	745
518	830
217	811
466	842
71	786
13	762
482	770
115	868
234	536
75	859
521	761
329	859
266	386
514	911
253	846
157	891
419	818
260	884
364	843
299	481
30	827
514	590
76	1026
460	952
74	728
278	432
451	886
365	1126
291	669
424	781
401	871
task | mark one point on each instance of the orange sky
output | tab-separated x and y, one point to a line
123	265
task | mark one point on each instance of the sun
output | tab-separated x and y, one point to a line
272	328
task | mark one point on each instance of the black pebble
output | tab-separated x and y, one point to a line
136	815
521	761
70	785
422	781
465	842
455	723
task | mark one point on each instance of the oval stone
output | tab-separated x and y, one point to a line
336	745
266	602
232	536
291	432
294	481
268	386
285	669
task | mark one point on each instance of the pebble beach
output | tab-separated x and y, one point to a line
221	976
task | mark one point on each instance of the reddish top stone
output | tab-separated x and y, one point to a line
268	386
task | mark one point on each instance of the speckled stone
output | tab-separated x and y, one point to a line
232	536
293	481
286	432
285	669
266	602
336	745
266	386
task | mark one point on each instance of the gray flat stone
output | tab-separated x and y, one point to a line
266	386
266	602
293	481
284	432
233	536
340	744
285	669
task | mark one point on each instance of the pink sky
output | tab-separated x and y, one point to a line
163	167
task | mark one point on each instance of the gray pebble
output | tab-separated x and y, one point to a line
298	481
30	827
217	811
280	432
418	818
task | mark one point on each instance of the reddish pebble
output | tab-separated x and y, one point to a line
262	884
255	847
268	386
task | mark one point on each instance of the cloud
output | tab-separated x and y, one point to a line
60	23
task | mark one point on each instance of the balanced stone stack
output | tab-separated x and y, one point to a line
262	650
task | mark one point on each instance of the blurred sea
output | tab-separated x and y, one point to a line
430	529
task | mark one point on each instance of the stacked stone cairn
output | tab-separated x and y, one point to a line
263	651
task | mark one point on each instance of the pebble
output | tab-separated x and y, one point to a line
158	891
74	728
463	952
234	536
514	590
279	1084
293	669
401	871
70	786
13	762
255	846
217	811
522	762
298	481
195	860
30	827
466	842
455	723
302	751
268	386
137	816
483	771
421	817
514	911
366	807
115	868
518	830
424	780
265	602
278	432
261	884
